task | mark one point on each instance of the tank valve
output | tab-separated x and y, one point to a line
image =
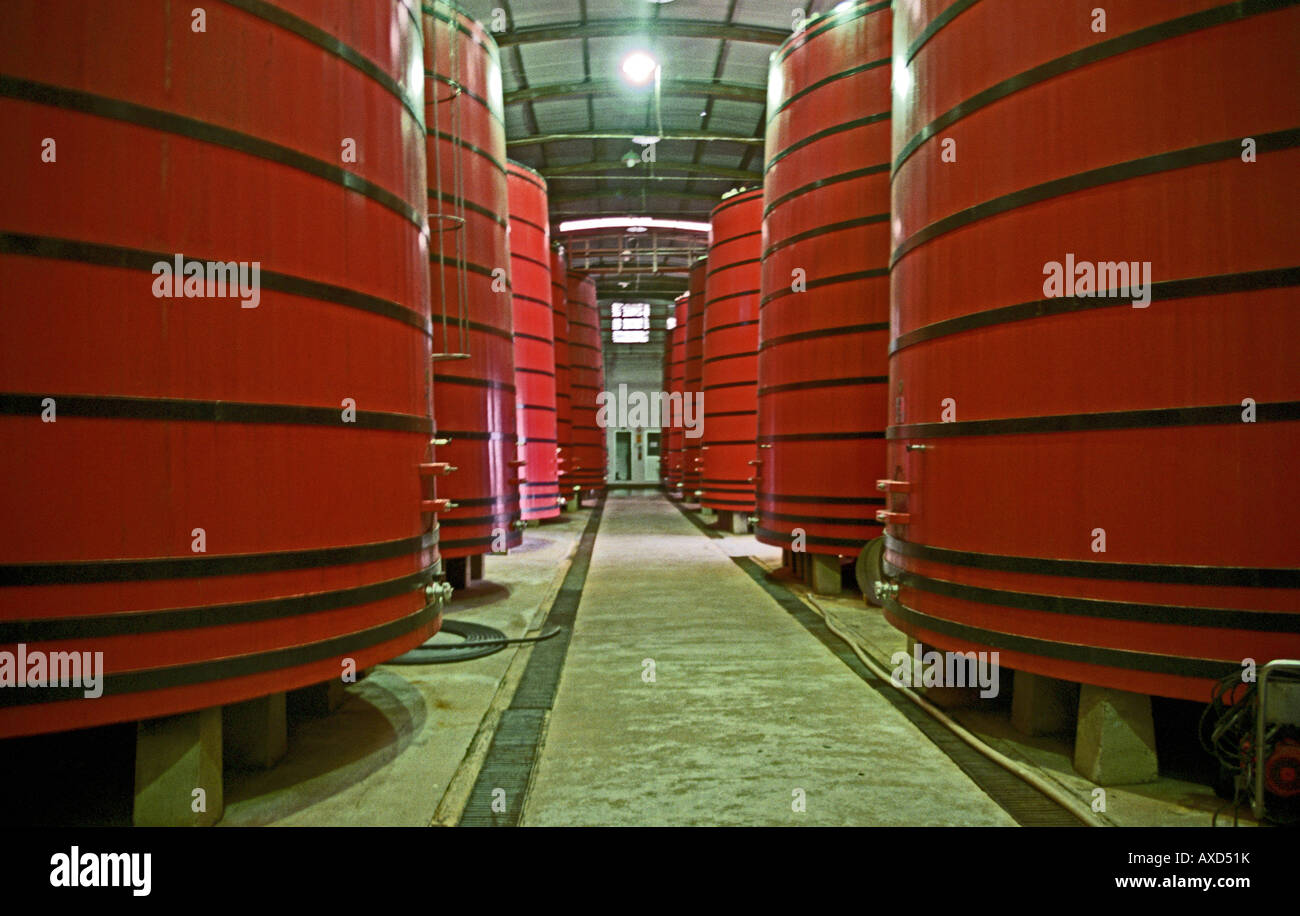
885	591
438	591
519	524
753	519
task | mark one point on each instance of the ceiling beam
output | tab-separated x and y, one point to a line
622	171
620	28
675	195
615	270
739	92
535	139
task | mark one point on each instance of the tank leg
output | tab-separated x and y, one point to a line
1115	739
317	699
476	566
1042	705
943	694
255	733
734	522
825	574
787	559
178	769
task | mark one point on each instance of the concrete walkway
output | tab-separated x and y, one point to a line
748	717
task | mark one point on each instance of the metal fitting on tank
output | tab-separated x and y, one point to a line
438	592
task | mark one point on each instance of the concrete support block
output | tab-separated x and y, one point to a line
706	513
1042	705
476	566
825	574
1115	739
174	756
941	695
736	522
255	733
317	699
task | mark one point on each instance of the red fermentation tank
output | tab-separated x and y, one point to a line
530	274
584	469
824	325
692	378
563	397
675	355
214	372
729	376
1095	405
469	274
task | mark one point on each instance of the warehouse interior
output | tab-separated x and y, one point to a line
650	413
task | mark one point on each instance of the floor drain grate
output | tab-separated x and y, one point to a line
497	799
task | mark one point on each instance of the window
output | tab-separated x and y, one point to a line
630	322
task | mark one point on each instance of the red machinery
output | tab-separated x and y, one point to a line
729	377
530	272
1104	493
584	470
824	320
213	478
693	377
474	376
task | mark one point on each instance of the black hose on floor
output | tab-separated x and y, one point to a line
479	642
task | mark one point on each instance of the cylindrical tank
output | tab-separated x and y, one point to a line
563	396
729	377
530	277
675	353
584	470
1095	401
473	339
693	377
210	475
824	325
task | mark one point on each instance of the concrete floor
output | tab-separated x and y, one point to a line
388	754
1167	802
748	712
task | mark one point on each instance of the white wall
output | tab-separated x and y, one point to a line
640	367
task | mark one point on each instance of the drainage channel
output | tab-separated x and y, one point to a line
497	799
1025	804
